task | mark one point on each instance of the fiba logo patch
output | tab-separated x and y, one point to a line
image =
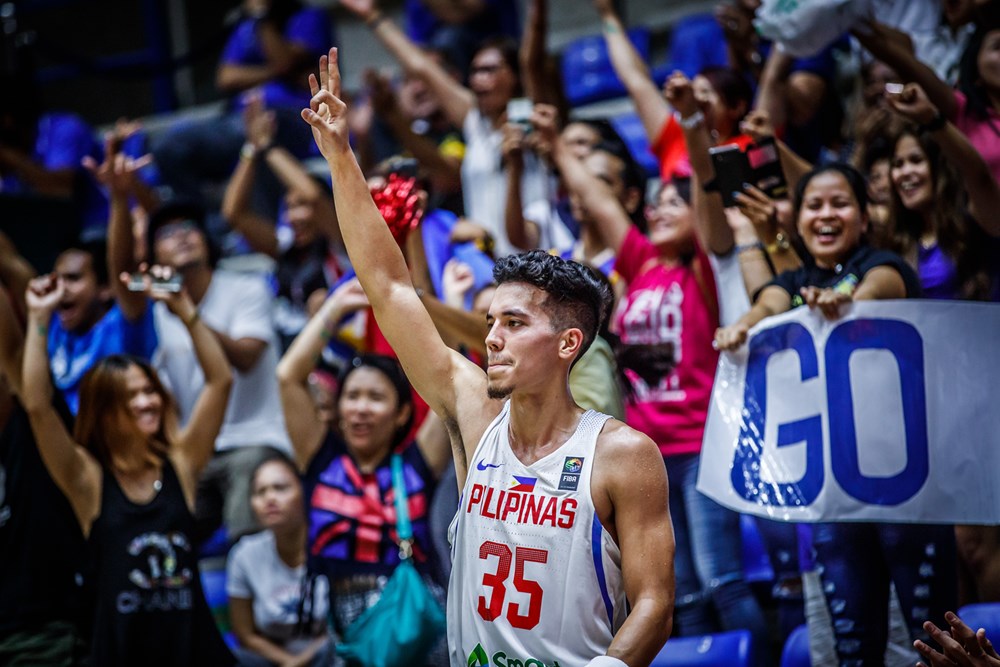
569	480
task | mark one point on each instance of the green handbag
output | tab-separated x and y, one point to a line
406	621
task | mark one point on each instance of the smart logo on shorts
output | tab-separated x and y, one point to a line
480	658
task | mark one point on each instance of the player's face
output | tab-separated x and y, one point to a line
522	344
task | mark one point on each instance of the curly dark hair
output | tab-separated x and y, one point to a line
574	297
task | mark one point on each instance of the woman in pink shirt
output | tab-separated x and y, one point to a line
666	319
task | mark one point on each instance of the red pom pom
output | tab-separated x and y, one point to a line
399	203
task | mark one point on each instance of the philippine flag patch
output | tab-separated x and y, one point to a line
522	484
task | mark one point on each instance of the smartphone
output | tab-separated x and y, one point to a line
894	88
732	170
765	168
171	284
519	112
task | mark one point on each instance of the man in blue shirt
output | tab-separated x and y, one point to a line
89	324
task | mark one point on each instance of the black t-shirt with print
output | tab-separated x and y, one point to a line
846	276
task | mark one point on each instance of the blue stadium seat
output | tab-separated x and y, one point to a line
587	72
982	615
756	562
629	127
216	545
725	649
796	652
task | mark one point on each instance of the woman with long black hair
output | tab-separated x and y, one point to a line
129	471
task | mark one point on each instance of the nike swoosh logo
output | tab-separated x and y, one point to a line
484	466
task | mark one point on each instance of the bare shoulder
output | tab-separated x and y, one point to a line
619	443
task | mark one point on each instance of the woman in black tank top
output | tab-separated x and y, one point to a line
129	472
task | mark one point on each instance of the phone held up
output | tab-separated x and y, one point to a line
759	166
136	283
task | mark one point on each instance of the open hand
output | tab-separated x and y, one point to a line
962	646
349	297
327	113
758	207
258	123
456	280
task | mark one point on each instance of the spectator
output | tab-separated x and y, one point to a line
970	108
552	223
41	154
669	310
858	560
944	200
278	610
479	110
960	645
305	240
267	54
724	97
415	119
40	601
457	28
237	309
351	541
130	472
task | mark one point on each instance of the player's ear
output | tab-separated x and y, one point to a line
570	343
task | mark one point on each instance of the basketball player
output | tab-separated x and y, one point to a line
563	549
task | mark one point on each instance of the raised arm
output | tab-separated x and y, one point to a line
73	469
305	429
259	232
636	485
444	170
595	195
118	173
632	71
11	344
975	174
713	231
533	58
15	272
522	233
884	43
456	100
435	371
758	125
194	445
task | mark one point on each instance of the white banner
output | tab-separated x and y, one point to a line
891	413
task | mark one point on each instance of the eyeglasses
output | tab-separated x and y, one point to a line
173	229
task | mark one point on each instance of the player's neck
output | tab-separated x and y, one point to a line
541	424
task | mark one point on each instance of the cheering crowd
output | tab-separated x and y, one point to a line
215	359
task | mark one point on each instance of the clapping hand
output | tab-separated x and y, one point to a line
258	123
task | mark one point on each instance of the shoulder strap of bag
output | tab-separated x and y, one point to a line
403	527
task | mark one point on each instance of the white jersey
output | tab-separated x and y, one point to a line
536	579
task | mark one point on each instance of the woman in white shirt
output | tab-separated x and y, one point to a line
278	611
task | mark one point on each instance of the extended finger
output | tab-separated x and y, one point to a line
933	658
313	84
324	71
333	72
964	635
952	648
986	644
